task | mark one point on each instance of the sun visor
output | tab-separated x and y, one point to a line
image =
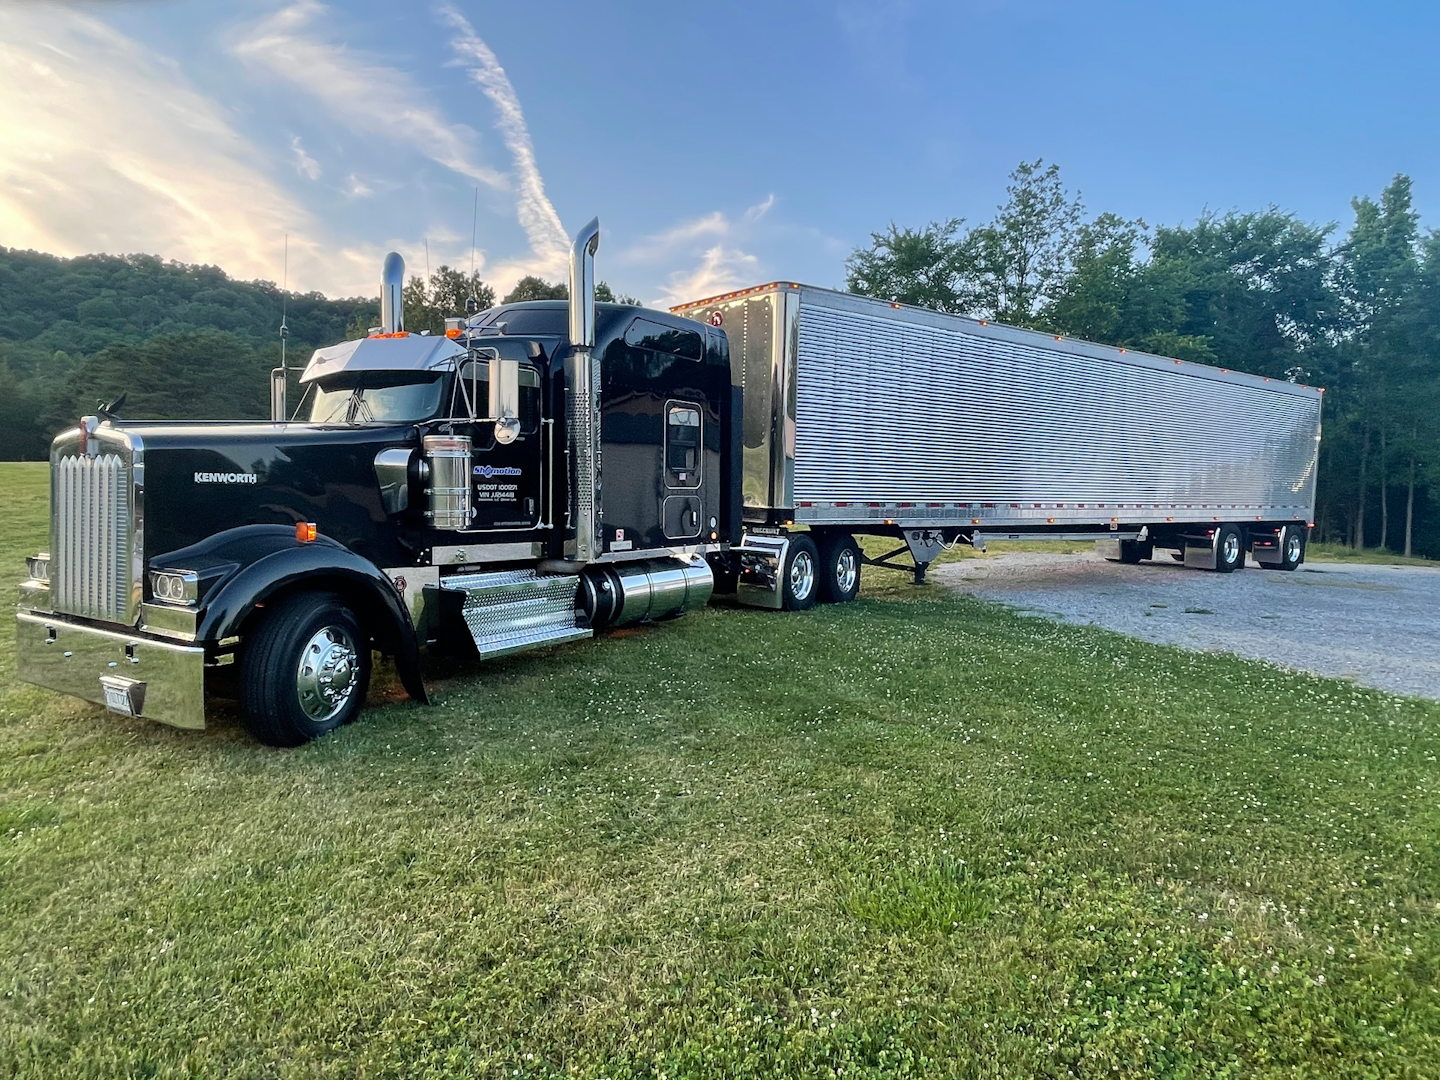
413	352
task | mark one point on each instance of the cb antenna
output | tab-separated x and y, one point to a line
279	377
472	302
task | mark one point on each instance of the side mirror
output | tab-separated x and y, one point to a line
278	413
505	398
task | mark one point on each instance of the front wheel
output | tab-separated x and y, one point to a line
839	568
799	575
305	670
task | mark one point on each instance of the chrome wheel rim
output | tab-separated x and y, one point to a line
1292	547
802	575
1230	550
847	570
325	676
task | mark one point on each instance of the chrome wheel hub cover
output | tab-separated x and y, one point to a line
847	570
802	575
1231	551
325	677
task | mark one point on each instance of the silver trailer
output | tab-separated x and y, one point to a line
862	416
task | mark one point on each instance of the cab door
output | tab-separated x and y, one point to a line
682	510
506	478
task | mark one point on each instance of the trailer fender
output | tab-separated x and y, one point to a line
258	562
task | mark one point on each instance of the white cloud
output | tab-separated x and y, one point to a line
356	188
714	242
305	165
548	242
104	146
369	97
721	270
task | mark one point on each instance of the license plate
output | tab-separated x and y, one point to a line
117	699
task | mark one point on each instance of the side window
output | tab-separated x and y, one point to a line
473	394
529	400
682	446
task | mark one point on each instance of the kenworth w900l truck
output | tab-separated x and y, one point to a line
547	470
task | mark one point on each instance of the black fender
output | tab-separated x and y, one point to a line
248	566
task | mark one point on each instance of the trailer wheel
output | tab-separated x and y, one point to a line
1229	549
839	568
799	580
305	670
1292	547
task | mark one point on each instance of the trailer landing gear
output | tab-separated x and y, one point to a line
923	545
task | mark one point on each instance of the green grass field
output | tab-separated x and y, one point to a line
913	836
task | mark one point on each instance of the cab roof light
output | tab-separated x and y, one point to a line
305	531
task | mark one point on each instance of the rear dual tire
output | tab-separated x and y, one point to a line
1229	549
839	568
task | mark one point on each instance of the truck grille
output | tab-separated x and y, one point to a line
92	537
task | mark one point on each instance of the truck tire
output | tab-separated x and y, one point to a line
1292	547
799	578
305	670
839	568
1229	549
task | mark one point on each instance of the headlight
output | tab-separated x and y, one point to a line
38	566
174	586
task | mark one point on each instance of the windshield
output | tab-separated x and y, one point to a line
362	404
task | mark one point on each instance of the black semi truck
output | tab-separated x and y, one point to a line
546	470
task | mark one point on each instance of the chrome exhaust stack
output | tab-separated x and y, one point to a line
392	302
582	372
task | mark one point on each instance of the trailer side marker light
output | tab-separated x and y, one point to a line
1050	520
889	521
974	521
1059	338
895	305
984	323
1122	350
305	531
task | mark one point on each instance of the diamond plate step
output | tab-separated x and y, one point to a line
509	611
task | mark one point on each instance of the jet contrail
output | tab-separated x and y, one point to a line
537	216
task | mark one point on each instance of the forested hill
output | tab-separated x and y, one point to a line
184	341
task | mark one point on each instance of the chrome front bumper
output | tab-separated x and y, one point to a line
131	674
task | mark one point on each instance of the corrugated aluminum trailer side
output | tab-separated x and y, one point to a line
858	411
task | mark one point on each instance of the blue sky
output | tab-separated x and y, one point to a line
721	144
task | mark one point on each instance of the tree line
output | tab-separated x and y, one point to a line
1258	291
180	341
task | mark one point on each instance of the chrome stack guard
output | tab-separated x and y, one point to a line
129	673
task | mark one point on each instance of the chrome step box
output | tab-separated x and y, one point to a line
509	611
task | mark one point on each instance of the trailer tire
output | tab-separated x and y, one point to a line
1292	547
839	568
799	577
291	665
1229	549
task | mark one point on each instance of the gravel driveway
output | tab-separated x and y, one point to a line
1379	625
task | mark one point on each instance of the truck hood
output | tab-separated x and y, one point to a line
202	478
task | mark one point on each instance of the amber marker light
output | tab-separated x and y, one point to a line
305	531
